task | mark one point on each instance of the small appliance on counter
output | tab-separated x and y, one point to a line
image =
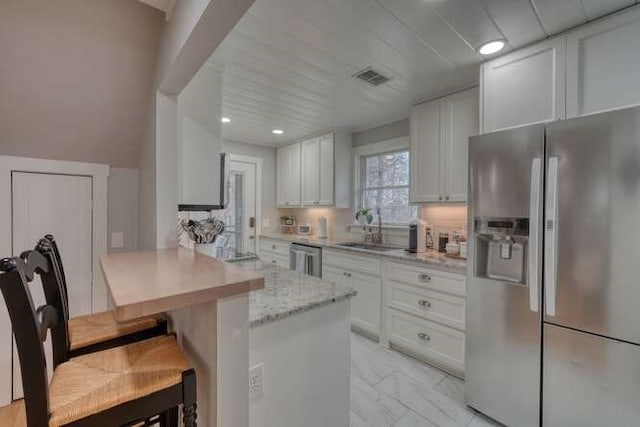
304	228
322	228
417	237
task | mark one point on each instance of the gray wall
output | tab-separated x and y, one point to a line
76	78
268	179
123	207
381	133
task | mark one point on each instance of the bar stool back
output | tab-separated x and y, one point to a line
98	331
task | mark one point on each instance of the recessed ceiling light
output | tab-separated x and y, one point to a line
225	120
491	47
277	131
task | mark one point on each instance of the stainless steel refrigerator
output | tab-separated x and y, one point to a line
553	289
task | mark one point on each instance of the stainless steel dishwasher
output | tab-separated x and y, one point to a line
306	259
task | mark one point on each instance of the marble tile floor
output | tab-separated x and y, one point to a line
391	389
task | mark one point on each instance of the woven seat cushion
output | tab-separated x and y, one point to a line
101	327
93	383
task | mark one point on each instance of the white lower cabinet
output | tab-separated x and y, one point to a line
274	251
425	314
363	274
437	344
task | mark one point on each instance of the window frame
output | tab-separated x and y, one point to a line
376	149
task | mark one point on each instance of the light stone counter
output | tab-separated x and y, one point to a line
287	292
430	258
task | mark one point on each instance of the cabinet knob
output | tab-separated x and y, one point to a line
447	197
424	336
439	197
316	203
273	246
424	303
423	277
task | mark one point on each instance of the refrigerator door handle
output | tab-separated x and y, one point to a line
551	238
534	235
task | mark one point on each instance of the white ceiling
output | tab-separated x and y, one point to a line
288	64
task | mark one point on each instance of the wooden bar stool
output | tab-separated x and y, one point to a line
100	331
141	382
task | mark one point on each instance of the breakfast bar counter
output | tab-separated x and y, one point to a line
150	282
207	303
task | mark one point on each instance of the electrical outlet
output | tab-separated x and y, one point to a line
256	381
117	240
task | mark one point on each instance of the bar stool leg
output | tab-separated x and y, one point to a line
189	397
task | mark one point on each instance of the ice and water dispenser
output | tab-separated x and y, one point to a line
501	248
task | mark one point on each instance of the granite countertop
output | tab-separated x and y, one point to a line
431	258
287	292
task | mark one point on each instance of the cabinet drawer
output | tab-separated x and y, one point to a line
430	305
439	280
431	341
273	257
276	246
363	264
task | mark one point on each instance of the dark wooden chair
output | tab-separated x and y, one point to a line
100	331
144	382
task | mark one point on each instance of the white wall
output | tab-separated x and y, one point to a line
123	207
195	30
268	179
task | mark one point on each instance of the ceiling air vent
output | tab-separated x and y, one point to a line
371	76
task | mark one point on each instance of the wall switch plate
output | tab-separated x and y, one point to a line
256	381
117	240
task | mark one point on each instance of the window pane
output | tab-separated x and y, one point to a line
395	170
380	172
372	172
395	205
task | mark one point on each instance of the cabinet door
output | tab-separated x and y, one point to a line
366	306
603	65
327	172
288	175
426	137
294	176
461	123
282	165
311	172
526	86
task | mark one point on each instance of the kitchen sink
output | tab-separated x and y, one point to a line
369	246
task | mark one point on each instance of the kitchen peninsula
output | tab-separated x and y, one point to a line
299	341
208	305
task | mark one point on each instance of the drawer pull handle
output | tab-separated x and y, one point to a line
424	336
423	277
424	303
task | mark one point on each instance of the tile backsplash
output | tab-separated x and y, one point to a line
443	218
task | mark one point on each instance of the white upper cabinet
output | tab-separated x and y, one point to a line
427	126
289	176
525	86
318	171
461	119
440	131
603	65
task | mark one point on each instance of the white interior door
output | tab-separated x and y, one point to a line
243	205
60	205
